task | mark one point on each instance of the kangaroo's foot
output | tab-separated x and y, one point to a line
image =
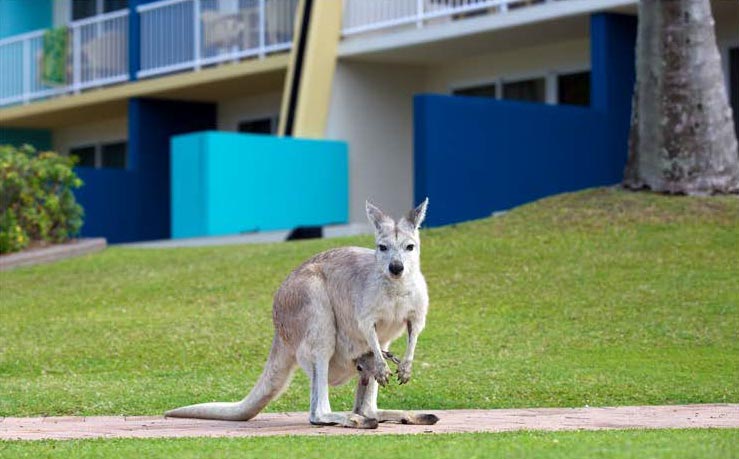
407	417
350	420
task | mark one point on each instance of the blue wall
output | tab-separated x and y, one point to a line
134	204
474	156
21	16
228	183
110	199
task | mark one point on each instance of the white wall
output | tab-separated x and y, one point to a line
231	112
64	138
372	109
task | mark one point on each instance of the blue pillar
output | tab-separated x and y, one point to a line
134	37
151	124
612	55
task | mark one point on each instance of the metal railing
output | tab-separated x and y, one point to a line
189	34
362	16
93	52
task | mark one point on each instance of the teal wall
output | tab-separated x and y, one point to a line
228	183
39	138
20	16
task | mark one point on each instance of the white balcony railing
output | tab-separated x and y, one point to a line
189	34
94	52
362	16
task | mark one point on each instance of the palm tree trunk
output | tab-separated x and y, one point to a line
682	135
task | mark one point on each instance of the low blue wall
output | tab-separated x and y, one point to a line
111	200
228	183
474	156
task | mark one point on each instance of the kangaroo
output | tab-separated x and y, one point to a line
333	310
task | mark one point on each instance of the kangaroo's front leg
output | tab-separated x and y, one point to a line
382	371
405	367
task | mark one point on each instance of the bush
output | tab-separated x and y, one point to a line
36	199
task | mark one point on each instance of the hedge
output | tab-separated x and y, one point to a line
36	199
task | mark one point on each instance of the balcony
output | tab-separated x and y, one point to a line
45	63
181	35
174	36
364	16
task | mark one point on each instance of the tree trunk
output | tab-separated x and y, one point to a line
682	134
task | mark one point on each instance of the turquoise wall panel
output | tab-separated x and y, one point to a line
228	183
21	16
187	178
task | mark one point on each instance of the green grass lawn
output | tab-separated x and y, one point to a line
603	297
667	444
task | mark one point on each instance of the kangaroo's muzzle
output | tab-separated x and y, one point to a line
395	268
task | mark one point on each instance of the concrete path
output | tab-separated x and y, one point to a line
52	253
454	421
260	237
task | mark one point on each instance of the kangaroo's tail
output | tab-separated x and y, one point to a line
275	377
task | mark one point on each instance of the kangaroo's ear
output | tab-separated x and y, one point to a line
416	216
376	216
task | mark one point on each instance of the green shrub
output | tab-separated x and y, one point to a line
36	199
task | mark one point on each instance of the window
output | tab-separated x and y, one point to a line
571	88
82	9
85	155
259	126
574	89
111	155
734	85
486	90
114	5
533	90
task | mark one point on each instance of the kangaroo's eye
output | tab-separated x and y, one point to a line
382	247
410	247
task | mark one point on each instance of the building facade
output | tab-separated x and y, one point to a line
479	104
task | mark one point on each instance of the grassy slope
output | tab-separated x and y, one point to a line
686	444
596	298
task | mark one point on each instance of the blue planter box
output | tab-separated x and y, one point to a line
228	183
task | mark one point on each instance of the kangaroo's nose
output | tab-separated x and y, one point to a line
396	268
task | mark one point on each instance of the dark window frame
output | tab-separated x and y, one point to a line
243	125
73	152
574	74
506	82
91	8
99	153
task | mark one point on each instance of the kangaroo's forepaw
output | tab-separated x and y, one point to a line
382	373
404	371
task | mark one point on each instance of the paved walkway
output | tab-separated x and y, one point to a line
259	237
454	421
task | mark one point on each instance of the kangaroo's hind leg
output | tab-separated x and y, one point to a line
320	407
314	355
365	401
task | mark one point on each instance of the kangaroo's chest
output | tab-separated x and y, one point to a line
392	311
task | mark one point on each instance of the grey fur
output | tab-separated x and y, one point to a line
331	312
